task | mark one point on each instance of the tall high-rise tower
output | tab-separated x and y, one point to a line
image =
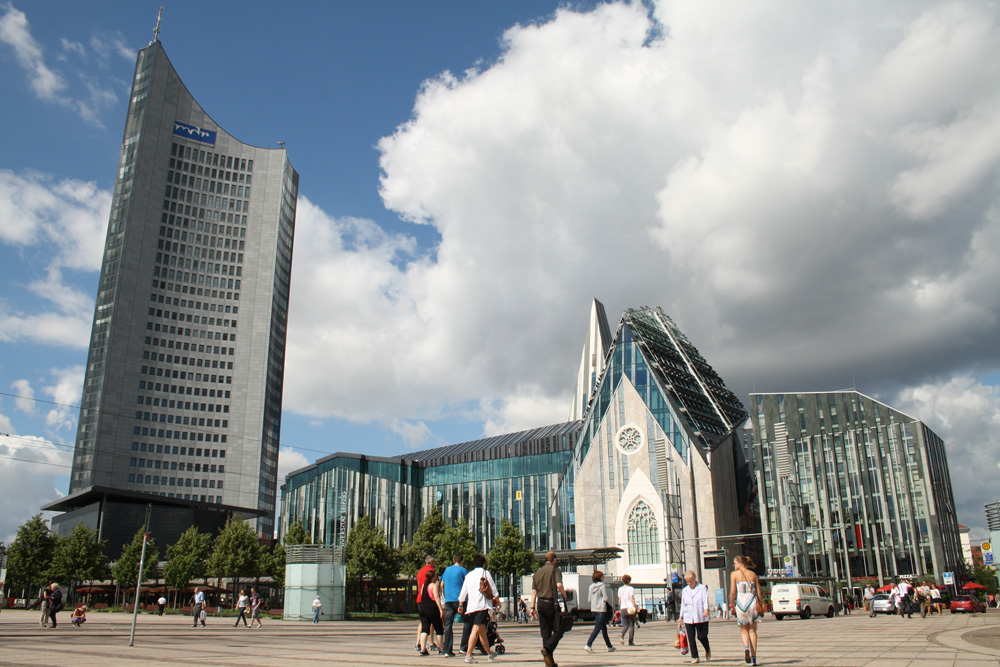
183	388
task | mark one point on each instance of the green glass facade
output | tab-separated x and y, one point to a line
852	488
524	477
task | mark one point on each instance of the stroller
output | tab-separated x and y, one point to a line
493	638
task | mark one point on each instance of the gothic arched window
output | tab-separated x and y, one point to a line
643	536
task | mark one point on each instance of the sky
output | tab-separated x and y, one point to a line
809	189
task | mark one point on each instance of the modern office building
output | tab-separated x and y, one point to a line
656	467
851	488
183	388
519	477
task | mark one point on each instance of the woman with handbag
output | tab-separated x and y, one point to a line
601	606
745	597
626	601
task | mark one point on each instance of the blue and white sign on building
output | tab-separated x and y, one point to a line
193	132
674	575
949	578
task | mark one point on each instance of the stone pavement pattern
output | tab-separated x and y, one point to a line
847	641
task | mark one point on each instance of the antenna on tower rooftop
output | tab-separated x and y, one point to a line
156	30
281	143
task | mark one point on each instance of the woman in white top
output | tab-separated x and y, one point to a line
241	606
626	602
475	605
746	598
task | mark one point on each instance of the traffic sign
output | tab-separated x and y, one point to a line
674	574
987	553
949	578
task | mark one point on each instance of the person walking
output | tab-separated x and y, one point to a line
241	606
629	611
869	596
55	603
600	604
453	578
905	589
317	608
161	604
545	584
936	599
478	595
421	580
745	598
694	615
255	605
199	607
671	605
430	609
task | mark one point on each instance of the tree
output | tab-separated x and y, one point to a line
509	557
369	556
186	558
276	565
237	553
30	554
126	568
425	543
985	576
78	557
297	534
456	539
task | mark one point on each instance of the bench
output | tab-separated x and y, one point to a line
99	605
275	612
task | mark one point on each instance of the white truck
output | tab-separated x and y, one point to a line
577	598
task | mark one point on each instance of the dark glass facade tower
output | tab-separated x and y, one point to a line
183	387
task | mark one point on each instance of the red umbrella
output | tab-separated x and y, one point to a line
884	589
971	585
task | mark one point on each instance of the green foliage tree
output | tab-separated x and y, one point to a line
30	554
78	557
425	543
126	568
276	565
984	576
455	539
297	534
369	556
509	558
187	558
237	553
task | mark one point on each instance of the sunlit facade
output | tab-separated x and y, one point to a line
522	477
852	488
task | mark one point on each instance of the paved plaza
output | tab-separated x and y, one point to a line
847	641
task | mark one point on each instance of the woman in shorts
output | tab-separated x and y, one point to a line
475	605
430	609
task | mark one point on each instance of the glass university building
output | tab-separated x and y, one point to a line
852	488
520	477
183	388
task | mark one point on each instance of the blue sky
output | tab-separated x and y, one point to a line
810	191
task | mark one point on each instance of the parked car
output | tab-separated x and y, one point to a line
802	600
966	603
881	604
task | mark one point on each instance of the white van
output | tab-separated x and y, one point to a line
802	600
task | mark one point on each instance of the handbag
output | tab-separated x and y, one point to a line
682	636
630	610
566	618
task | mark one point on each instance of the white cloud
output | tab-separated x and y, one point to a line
65	393
16	33
63	221
415	435
50	85
29	466
289	460
966	414
26	396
